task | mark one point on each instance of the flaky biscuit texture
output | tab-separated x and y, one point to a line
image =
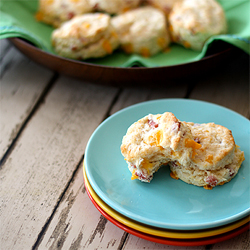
55	12
192	22
114	6
86	36
208	178
217	145
142	31
153	141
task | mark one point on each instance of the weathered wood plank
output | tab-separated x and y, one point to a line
77	224
130	96
241	242
20	90
230	88
135	243
4	47
37	171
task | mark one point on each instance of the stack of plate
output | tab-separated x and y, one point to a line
167	211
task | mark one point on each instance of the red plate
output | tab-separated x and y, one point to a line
169	241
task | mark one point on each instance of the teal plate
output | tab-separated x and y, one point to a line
166	202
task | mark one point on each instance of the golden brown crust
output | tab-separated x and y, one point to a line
192	22
86	36
55	12
209	178
142	31
153	141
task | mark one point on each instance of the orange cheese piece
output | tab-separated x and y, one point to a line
192	144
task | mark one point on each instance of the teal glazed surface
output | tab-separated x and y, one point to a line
166	202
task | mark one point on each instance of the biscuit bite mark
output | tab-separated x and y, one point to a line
146	165
172	174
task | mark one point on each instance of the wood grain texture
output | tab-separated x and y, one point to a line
77	224
38	170
241	242
18	95
130	96
4	47
135	243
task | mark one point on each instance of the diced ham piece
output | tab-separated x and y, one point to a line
152	124
176	127
211	180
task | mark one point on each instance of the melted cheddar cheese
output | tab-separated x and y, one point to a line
192	144
134	176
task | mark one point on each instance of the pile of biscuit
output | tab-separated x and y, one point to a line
96	28
199	154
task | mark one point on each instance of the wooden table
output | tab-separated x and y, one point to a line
46	121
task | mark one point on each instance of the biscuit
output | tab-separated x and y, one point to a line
192	22
154	141
142	31
114	6
208	178
55	12
87	36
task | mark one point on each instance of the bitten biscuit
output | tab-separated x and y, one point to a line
114	6
153	141
87	36
208	178
55	12
192	22
142	31
199	154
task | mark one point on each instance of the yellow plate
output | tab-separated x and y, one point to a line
175	234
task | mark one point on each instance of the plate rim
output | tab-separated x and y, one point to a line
175	234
